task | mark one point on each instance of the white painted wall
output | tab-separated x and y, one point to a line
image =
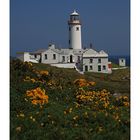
61	65
50	59
95	64
75	37
122	62
26	57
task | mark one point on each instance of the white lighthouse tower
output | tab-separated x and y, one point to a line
74	31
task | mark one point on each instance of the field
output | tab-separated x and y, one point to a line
55	103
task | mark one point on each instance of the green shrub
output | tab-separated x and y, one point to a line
63	118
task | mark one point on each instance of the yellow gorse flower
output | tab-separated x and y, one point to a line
75	117
100	129
86	96
37	96
28	79
18	129
83	83
30	64
69	110
126	103
51	83
91	83
46	73
21	115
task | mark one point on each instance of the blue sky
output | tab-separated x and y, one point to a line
36	23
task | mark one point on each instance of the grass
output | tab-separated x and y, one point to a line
71	113
117	82
115	65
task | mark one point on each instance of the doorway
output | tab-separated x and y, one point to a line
86	68
71	59
99	67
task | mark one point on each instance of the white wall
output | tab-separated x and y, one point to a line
75	37
68	65
66	59
95	64
122	62
26	57
50	59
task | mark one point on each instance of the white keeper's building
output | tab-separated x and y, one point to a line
83	60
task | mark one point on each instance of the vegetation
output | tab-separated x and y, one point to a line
115	65
52	103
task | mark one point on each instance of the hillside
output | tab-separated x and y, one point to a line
117	82
55	103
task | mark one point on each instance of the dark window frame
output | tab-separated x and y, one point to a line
54	56
35	55
91	67
78	58
46	56
99	68
91	60
63	58
99	60
77	28
104	67
86	67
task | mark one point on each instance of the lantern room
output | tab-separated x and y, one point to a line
74	18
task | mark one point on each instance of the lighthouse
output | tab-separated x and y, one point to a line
74	31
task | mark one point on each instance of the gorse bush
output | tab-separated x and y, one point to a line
46	105
37	96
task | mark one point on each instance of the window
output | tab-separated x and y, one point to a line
78	58
77	28
91	60
69	29
54	56
122	60
99	60
99	67
91	68
69	41
104	67
35	56
45	56
63	58
74	17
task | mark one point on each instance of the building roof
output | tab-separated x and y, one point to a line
71	51
74	13
55	50
89	53
93	53
103	53
39	51
86	53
